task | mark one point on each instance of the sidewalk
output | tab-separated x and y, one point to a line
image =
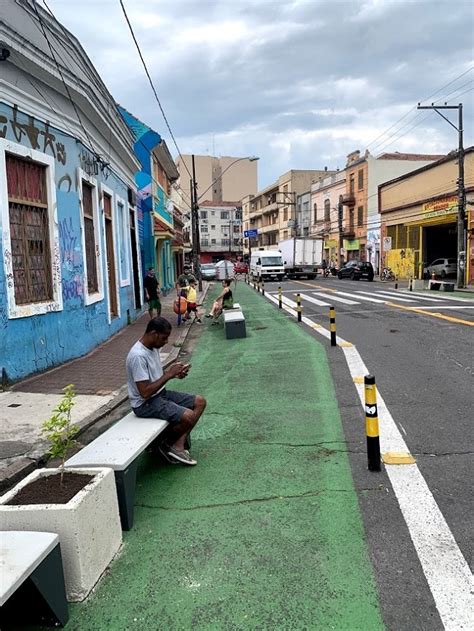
265	532
99	379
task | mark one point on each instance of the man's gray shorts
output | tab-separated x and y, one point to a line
167	405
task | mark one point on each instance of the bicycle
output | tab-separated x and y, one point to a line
387	275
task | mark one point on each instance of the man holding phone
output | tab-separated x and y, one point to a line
149	398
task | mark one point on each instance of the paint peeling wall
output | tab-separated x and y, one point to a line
37	340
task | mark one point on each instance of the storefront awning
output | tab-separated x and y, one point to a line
161	230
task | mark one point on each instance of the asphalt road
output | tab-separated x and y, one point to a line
424	368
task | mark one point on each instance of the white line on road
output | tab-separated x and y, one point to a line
315	301
445	307
335	298
415	297
386	295
439	296
445	568
359	297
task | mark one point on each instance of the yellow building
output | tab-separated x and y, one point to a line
419	217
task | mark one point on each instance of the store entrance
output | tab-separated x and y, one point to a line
439	242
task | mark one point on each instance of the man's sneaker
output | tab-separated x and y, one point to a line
163	449
181	456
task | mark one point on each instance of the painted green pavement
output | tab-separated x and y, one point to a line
265	532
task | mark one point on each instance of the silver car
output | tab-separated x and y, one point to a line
208	271
442	268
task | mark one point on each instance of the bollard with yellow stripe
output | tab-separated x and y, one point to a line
298	307
332	325
280	304
263	287
372	424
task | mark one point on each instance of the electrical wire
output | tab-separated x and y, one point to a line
152	86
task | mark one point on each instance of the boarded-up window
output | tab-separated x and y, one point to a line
327	210
89	237
360	216
29	230
360	179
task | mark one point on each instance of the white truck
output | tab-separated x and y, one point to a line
266	264
301	256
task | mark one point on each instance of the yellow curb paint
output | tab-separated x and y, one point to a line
349	345
440	316
357	379
395	457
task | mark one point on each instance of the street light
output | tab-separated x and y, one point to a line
195	212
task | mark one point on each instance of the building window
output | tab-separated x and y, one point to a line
204	229
203	214
29	231
224	214
224	241
285	234
213	227
351	183
204	242
89	237
213	242
285	214
224	230
360	216
315	212
123	242
238	214
360	179
213	213
327	210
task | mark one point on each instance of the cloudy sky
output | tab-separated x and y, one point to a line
298	83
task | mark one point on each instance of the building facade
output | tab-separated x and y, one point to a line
326	195
154	182
220	231
272	211
419	217
70	274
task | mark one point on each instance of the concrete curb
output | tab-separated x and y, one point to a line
38	455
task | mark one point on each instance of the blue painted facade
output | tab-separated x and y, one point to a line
153	203
38	340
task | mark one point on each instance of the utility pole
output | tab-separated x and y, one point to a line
461	241
195	227
340	211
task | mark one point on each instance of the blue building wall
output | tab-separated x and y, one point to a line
37	342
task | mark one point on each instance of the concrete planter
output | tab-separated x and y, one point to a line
88	527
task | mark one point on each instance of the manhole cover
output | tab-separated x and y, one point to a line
10	448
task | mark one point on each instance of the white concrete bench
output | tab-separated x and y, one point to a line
119	448
234	324
31	561
441	285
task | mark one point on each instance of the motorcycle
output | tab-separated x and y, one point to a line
387	274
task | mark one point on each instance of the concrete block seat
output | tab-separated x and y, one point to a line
119	448
441	285
234	324
31	572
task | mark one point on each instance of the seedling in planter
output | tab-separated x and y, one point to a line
59	430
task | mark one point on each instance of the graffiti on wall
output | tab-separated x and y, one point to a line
92	164
40	138
402	262
71	260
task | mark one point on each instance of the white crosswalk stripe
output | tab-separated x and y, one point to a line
388	296
359	297
396	294
439	297
314	301
333	296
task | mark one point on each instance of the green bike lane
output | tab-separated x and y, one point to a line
265	532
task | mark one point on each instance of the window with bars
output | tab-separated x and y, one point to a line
360	216
315	212
89	237
29	230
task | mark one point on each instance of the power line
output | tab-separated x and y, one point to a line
152	85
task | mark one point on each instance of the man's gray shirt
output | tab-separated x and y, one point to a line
143	364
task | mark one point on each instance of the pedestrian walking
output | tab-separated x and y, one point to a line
149	397
152	293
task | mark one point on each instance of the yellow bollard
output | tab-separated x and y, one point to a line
280	305
298	307
332	325
263	287
372	424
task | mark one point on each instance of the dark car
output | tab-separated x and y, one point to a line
355	270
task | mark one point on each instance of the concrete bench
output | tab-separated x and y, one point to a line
234	324
441	285
119	448
30	563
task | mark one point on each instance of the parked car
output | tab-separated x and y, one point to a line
208	271
442	267
241	268
355	270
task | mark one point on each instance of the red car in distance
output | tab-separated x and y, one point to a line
240	267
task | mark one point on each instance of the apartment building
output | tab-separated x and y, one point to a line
272	211
220	231
325	197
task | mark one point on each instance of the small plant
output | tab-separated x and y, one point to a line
58	428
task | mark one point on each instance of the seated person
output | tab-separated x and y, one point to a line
149	398
224	300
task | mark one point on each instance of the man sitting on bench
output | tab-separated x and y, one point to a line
149	398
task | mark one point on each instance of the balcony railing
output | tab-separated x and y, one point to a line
348	199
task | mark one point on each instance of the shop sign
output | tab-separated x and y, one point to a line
351	244
330	243
440	207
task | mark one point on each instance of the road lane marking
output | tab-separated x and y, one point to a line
423	310
445	568
415	297
336	298
359	297
387	294
447	307
439	296
315	301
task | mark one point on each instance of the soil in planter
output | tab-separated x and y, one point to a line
49	490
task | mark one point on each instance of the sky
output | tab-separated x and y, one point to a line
298	83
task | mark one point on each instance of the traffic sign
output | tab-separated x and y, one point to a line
387	243
249	234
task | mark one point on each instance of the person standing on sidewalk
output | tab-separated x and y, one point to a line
152	289
149	398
